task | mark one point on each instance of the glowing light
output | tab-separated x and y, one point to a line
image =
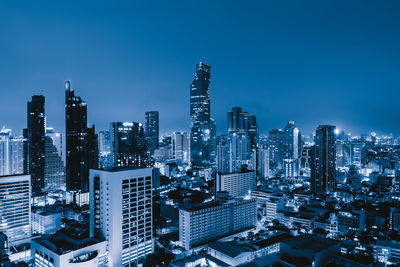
337	131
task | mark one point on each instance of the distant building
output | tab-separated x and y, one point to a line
203	127
263	162
54	171
224	156
36	143
104	149
128	145
240	122
121	213
211	221
275	146
60	249
180	146
11	153
323	167
237	184
151	130
15	208
45	222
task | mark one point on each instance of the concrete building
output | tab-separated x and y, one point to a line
46	222
208	222
15	208
237	184
59	250
121	213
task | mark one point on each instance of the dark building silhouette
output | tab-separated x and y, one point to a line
323	163
151	130
203	128
93	148
128	145
276	148
77	142
36	143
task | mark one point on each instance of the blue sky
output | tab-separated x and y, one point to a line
313	62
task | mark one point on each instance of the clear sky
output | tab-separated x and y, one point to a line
313	62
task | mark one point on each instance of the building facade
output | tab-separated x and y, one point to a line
121	213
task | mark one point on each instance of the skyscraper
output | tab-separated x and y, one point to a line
54	166
128	145
202	134
104	149
291	148
36	143
151	130
241	122
77	167
275	146
323	164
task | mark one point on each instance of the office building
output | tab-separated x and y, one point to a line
128	145
203	128
77	148
121	213
275	146
15	208
198	225
104	149
180	146
54	171
237	184
224	155
263	162
151	130
323	167
36	143
241	122
11	153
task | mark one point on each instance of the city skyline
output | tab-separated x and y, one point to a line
276	70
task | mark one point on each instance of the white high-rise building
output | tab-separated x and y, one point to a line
180	146
263	162
15	208
121	212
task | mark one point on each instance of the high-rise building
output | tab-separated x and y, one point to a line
77	142
16	155
198	225
263	162
275	145
238	151
224	155
121	213
203	128
241	122
5	136
54	171
323	167
104	149
237	184
292	142
93	148
151	130
11	153
15	208
36	143
128	145
180	146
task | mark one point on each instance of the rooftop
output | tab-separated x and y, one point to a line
311	244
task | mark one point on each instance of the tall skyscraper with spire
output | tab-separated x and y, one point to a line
203	128
36	143
78	143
